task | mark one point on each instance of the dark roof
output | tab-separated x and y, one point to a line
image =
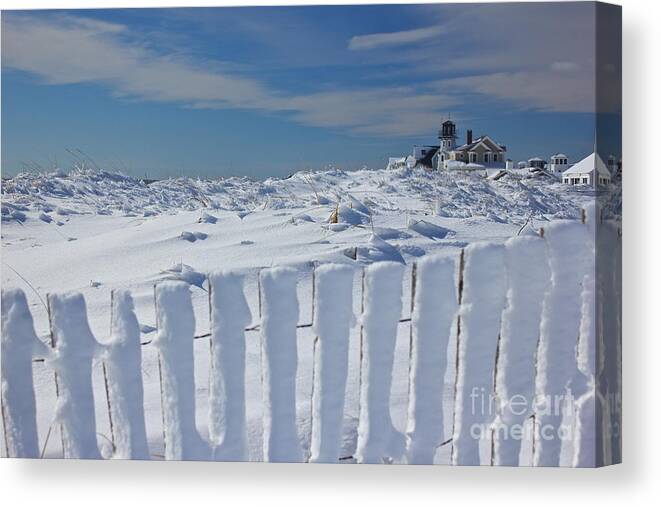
426	160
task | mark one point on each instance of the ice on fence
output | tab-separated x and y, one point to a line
230	314
483	300
18	399
609	346
176	326
75	349
123	375
434	311
528	279
570	257
333	318
585	438
279	364
378	441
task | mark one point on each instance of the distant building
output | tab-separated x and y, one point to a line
425	156
589	171
559	163
479	153
536	163
396	163
474	153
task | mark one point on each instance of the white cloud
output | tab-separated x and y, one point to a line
565	66
71	50
541	90
79	50
529	62
377	111
380	40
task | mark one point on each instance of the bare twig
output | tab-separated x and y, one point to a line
28	284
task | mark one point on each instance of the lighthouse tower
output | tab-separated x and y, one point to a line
448	136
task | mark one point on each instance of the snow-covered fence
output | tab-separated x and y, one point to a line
122	372
532	325
74	348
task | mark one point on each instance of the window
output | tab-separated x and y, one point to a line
486	157
473	157
585	180
495	157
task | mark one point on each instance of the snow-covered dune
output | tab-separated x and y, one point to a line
92	232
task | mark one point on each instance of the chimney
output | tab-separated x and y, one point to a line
469	136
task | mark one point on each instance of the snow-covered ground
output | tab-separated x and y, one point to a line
91	232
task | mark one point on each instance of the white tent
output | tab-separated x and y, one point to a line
583	172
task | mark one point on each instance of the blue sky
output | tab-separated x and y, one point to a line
267	91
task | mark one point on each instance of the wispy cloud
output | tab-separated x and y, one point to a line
542	90
530	56
72	50
530	61
390	39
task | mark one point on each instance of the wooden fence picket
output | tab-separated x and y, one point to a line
176	326
480	310
122	379
74	346
19	414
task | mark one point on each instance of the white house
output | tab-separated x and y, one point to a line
481	153
536	163
589	171
559	163
396	162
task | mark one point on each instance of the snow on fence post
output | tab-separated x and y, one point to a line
481	307
279	306
569	254
460	294
434	306
333	318
615	427
74	350
609	347
585	436
378	441
122	368
528	279
229	314
175	321
19	341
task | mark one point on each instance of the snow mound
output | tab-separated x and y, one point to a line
207	219
193	236
347	215
459	194
376	250
184	273
428	229
301	219
387	233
